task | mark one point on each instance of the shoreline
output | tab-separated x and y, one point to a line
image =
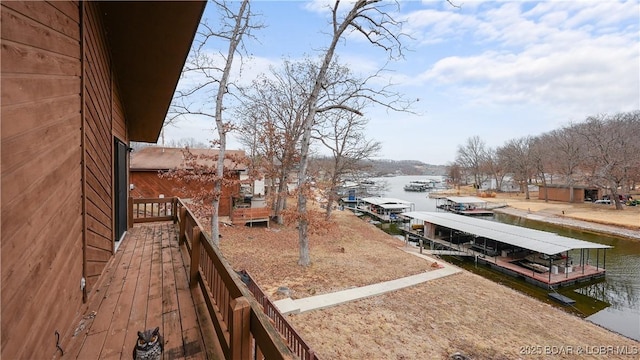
408	323
578	224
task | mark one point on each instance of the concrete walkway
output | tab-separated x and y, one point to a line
290	306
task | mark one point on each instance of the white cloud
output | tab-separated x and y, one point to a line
533	61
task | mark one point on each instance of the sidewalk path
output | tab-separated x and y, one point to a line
290	306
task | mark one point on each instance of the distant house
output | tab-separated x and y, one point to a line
80	80
562	192
148	163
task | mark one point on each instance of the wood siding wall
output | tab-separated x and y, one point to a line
562	194
98	146
41	175
148	184
57	167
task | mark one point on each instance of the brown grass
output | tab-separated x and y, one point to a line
460	313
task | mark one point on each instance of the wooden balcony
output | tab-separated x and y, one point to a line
145	285
167	274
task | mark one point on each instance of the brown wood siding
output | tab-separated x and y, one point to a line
98	147
41	174
119	127
148	184
561	194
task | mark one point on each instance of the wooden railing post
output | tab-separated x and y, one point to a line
195	257
183	225
239	329
174	209
130	214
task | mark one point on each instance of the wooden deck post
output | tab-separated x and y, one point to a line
130	214
183	225
195	257
239	329
174	209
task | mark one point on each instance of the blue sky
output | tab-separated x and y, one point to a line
498	70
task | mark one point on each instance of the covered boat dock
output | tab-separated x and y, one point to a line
384	209
539	257
463	205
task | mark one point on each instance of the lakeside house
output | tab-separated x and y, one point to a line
80	80
149	163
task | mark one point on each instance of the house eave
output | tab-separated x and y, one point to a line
150	42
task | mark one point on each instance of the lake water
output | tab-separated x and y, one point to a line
613	303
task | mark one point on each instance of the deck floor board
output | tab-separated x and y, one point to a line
144	285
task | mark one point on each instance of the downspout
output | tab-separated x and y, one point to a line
83	128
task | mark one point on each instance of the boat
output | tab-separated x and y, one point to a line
419	186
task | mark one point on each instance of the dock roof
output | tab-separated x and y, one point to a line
540	241
465	200
388	203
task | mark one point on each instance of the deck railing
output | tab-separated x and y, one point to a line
245	215
294	340
243	329
149	210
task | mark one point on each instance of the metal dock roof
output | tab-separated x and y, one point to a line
541	241
388	203
465	199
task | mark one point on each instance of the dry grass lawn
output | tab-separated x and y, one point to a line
460	313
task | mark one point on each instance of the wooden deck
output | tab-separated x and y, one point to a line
144	285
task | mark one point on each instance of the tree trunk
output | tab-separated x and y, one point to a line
281	199
304	259
614	195
571	197
303	222
329	206
234	41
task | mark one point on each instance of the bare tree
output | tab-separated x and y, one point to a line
471	157
516	155
190	143
493	166
209	74
542	160
566	149
612	151
454	174
370	19
343	134
275	107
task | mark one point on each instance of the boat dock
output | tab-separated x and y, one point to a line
384	209
464	205
538	257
